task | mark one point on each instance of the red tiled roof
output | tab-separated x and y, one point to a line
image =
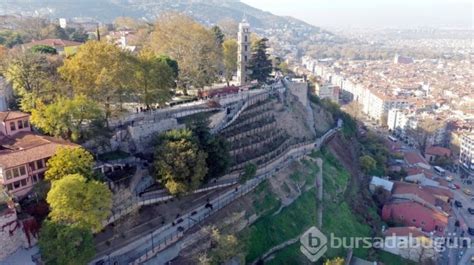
11	115
412	213
418	170
25	147
414	158
413	189
53	43
438	151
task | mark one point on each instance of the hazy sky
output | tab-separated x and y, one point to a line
369	13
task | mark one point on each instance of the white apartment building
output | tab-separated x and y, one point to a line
400	121
466	155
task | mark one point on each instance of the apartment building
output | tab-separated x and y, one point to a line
466	155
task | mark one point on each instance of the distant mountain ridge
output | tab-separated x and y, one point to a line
206	11
287	35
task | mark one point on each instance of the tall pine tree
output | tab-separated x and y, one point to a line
260	63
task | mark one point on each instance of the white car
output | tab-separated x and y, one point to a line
449	178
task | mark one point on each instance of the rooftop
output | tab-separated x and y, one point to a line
25	147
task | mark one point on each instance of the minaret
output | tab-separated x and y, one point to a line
243	52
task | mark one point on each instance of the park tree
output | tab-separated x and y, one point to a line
260	64
335	261
10	38
367	163
179	163
34	77
217	149
154	79
62	244
173	64
191	45
67	161
250	170
218	35
229	50
223	247
74	200
99	71
67	117
425	129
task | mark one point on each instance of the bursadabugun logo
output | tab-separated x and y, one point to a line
313	244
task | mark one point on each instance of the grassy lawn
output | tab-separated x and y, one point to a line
270	230
267	202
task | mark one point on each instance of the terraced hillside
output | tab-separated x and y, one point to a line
266	129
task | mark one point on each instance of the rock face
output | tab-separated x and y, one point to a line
12	235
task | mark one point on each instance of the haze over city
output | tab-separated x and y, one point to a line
374	13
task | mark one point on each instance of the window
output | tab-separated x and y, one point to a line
245	47
23	182
16	185
414	220
8	174
10	186
245	39
12	126
26	124
39	164
32	166
20	124
35	178
16	172
245	58
22	171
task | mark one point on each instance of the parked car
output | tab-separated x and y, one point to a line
451	186
470	230
449	178
467	192
458	204
457	186
470	210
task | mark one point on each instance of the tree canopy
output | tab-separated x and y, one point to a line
99	71
154	79
34	77
62	244
67	117
191	45
217	149
179	163
74	200
260	63
229	50
67	161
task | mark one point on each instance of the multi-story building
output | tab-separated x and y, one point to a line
328	91
466	155
400	121
23	154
